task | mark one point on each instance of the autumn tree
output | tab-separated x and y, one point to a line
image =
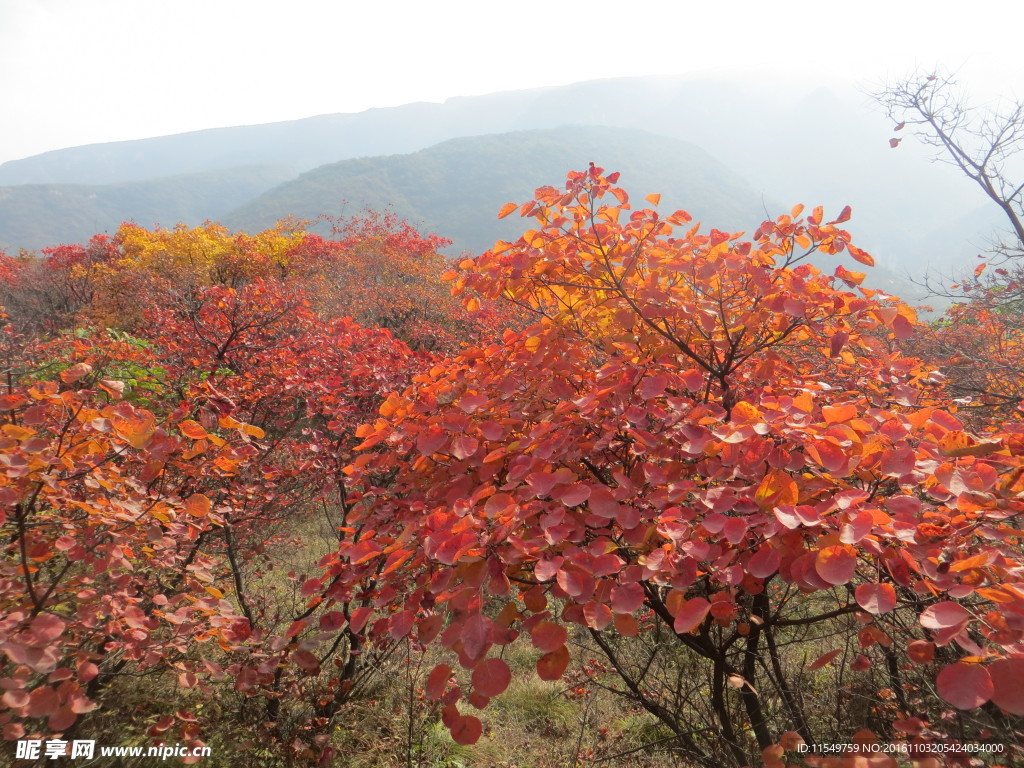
707	441
49	292
389	275
180	472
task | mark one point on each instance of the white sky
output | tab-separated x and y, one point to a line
81	71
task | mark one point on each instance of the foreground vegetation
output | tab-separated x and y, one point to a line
618	492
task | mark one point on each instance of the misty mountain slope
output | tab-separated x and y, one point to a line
34	216
456	188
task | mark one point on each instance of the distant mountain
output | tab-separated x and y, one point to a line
34	216
456	188
792	143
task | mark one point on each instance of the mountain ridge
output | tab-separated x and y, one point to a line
793	143
455	187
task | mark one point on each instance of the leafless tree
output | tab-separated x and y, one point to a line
983	142
979	340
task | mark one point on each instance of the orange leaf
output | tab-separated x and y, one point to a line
835	414
75	372
653	199
824	659
777	489
956	444
852	279
198	505
255	431
921	651
506	209
862	256
192	429
113	388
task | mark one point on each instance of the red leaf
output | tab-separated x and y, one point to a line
574	494
491	677
552	665
401	624
876	598
309	663
428	627
474	636
1008	685
547	636
653	386
597	615
690	615
836	564
62	719
944	615
44	629
965	686
627	598
861	663
576	582
464	447
359	618
902	327
921	651
430	440
365	550
839	340
893	143
466	730
437	681
42	702
764	562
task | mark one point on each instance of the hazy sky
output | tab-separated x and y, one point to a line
81	71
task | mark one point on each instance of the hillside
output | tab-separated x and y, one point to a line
34	216
456	188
